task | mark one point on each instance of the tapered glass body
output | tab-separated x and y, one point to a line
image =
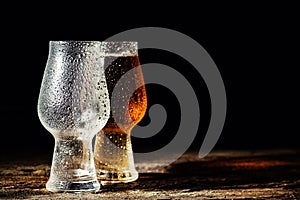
113	148
73	105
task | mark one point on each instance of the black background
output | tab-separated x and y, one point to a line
254	46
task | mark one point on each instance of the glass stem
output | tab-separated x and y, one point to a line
114	158
72	160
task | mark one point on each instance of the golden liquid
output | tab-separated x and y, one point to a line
117	67
113	150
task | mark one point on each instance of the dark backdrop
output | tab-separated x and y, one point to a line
254	46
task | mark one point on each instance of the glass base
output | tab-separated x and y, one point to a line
75	187
108	177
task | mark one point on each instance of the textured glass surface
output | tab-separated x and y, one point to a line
113	151
73	106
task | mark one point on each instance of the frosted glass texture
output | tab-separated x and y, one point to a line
113	149
73	106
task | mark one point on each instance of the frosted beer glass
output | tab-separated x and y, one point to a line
73	106
113	149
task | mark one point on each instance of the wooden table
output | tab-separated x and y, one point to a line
265	174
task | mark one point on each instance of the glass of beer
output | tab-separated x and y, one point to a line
73	105
113	149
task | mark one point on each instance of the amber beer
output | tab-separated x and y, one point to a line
113	151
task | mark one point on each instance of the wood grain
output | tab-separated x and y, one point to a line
272	174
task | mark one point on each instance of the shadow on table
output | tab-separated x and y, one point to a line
227	170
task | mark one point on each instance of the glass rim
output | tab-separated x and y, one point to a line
120	41
73	41
107	48
119	48
99	41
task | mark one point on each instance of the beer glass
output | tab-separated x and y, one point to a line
73	105
113	150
